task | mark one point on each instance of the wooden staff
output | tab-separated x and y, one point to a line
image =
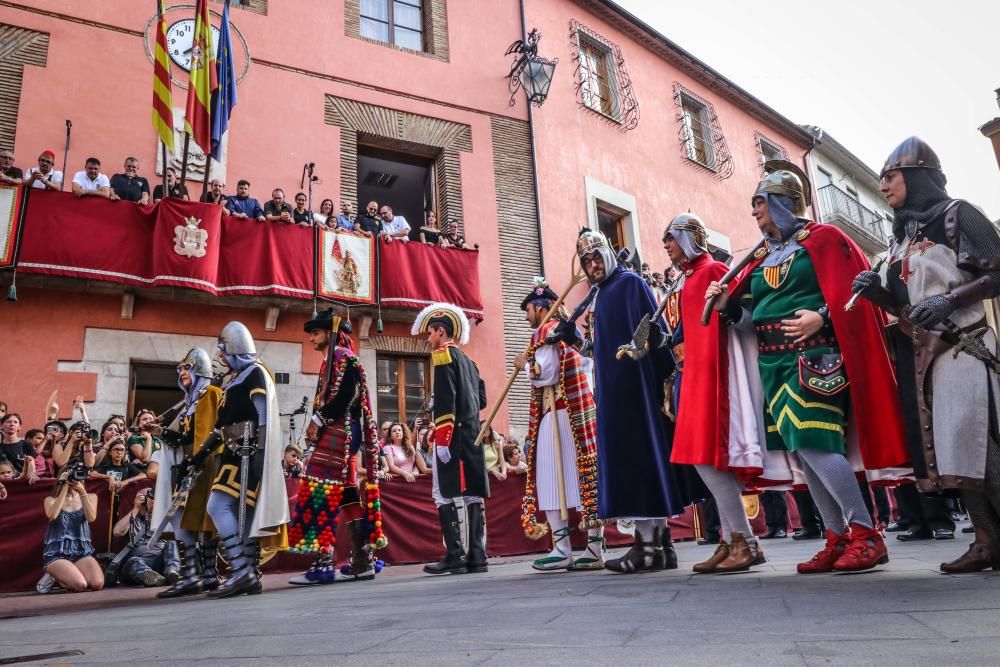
730	274
578	276
550	398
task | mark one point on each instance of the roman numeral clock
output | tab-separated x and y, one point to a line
180	41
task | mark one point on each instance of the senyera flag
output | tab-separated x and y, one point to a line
10	223
345	266
202	82
162	96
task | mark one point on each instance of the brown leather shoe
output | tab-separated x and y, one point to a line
979	557
740	556
721	553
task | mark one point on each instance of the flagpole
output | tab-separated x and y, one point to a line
208	171
165	166
184	162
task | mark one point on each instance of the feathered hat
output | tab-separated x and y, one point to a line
447	315
540	293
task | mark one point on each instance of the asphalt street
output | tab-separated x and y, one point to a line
904	613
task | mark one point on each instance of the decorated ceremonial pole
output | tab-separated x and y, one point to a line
578	276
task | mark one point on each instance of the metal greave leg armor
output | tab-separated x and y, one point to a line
243	577
190	583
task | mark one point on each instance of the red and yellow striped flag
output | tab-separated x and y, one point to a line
163	115
203	81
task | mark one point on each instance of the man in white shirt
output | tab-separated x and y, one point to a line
91	182
44	177
394	227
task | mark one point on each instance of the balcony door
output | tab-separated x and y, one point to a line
152	386
404	181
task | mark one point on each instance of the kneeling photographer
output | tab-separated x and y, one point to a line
139	563
68	556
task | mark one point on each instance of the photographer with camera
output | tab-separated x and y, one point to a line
77	446
68	556
142	564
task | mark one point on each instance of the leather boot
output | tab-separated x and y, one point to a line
454	561
979	557
664	554
190	582
208	555
476	561
361	565
243	577
721	553
865	551
824	560
740	558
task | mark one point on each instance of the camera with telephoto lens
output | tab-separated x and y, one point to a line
78	472
85	430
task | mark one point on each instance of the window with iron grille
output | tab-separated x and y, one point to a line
769	150
399	22
602	81
701	138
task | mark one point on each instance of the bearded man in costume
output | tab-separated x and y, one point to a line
825	372
634	475
944	263
562	462
721	446
458	465
341	424
248	420
193	529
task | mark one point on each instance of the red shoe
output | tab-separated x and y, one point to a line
831	553
866	550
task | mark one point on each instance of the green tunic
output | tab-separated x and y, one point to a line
796	417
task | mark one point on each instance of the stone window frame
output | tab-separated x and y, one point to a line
407	132
761	141
720	162
435	28
624	112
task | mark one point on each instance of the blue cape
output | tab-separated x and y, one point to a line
634	437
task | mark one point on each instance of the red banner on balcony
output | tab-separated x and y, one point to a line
187	244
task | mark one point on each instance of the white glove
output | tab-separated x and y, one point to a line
443	453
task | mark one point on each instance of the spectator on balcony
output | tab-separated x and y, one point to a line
344	220
277	209
452	238
430	232
91	182
369	223
243	206
215	194
8	172
300	214
394	227
325	215
175	188
44	177
130	186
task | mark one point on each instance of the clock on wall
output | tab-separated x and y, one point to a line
180	38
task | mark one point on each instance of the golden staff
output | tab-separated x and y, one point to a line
578	276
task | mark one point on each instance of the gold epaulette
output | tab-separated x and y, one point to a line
441	357
802	235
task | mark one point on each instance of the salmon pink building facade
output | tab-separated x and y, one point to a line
403	102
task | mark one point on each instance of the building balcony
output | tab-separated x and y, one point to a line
863	225
191	252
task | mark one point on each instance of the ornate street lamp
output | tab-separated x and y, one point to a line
530	71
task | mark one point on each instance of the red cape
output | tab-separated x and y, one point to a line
702	433
874	398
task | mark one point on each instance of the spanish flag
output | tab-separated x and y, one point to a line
203	81
162	102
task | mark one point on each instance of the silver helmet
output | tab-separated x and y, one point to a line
235	338
591	241
199	361
690	233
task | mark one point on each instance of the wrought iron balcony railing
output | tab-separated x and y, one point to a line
836	205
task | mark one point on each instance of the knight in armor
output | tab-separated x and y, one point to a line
823	370
562	461
192	527
720	446
341	424
635	478
943	274
458	464
248	503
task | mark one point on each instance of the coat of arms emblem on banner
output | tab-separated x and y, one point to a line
189	239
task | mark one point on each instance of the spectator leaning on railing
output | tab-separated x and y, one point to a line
214	194
369	222
243	206
91	182
344	220
394	227
8	172
300	214
130	186
277	209
325	215
175	188
44	177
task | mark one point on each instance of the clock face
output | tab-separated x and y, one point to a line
180	41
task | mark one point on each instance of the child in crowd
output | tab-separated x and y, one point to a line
515	458
292	462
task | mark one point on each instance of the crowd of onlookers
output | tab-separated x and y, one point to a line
376	220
